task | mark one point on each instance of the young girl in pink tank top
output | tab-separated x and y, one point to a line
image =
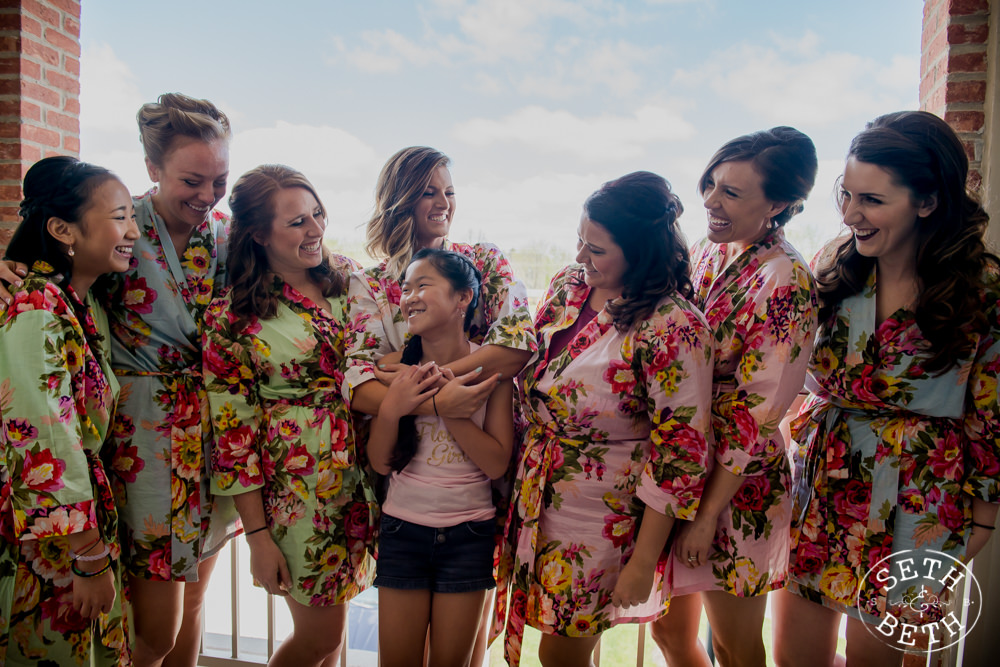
435	562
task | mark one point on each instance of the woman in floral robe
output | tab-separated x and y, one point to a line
414	207
758	296
60	582
898	440
284	443
173	525
415	204
618	405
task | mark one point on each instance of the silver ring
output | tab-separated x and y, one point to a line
692	559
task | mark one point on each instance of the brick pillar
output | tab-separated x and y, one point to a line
953	67
39	92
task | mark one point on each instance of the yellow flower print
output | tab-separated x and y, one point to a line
329	481
826	361
261	348
582	626
225	418
984	390
554	573
197	259
743	575
332	557
839	584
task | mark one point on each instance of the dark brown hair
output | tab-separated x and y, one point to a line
640	212
785	159
922	153
252	204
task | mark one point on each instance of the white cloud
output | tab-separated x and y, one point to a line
109	96
326	155
491	33
817	89
596	138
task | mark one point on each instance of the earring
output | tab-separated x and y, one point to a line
770	224
70	251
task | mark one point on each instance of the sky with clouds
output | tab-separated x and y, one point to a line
537	102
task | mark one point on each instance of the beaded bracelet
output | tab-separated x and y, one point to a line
104	552
983	525
87	575
255	530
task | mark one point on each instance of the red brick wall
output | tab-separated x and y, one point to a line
39	92
953	70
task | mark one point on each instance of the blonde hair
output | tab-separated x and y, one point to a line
390	231
175	115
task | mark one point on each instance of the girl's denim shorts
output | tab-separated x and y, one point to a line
456	559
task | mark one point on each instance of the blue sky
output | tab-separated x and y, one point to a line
537	101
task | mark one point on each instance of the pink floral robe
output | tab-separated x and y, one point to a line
616	422
762	310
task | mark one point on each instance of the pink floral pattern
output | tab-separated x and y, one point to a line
762	309
377	326
889	457
615	422
282	426
162	431
57	395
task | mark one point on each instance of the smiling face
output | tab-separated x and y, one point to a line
881	214
433	212
602	258
191	180
429	301
738	211
294	243
103	237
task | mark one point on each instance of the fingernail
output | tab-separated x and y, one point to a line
499	376
381	365
478	370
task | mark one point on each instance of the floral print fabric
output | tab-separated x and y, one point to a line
162	433
616	422
282	426
762	309
377	324
889	457
57	398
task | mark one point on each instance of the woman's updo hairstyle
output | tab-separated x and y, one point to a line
175	115
785	159
923	154
461	274
640	211
54	187
390	231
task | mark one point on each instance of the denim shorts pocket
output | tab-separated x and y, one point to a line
484	528
390	525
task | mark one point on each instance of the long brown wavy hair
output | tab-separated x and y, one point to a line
390	231
252	204
640	212
923	154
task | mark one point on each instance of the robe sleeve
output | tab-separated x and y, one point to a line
982	412
505	302
777	330
43	353
366	337
672	359
231	383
